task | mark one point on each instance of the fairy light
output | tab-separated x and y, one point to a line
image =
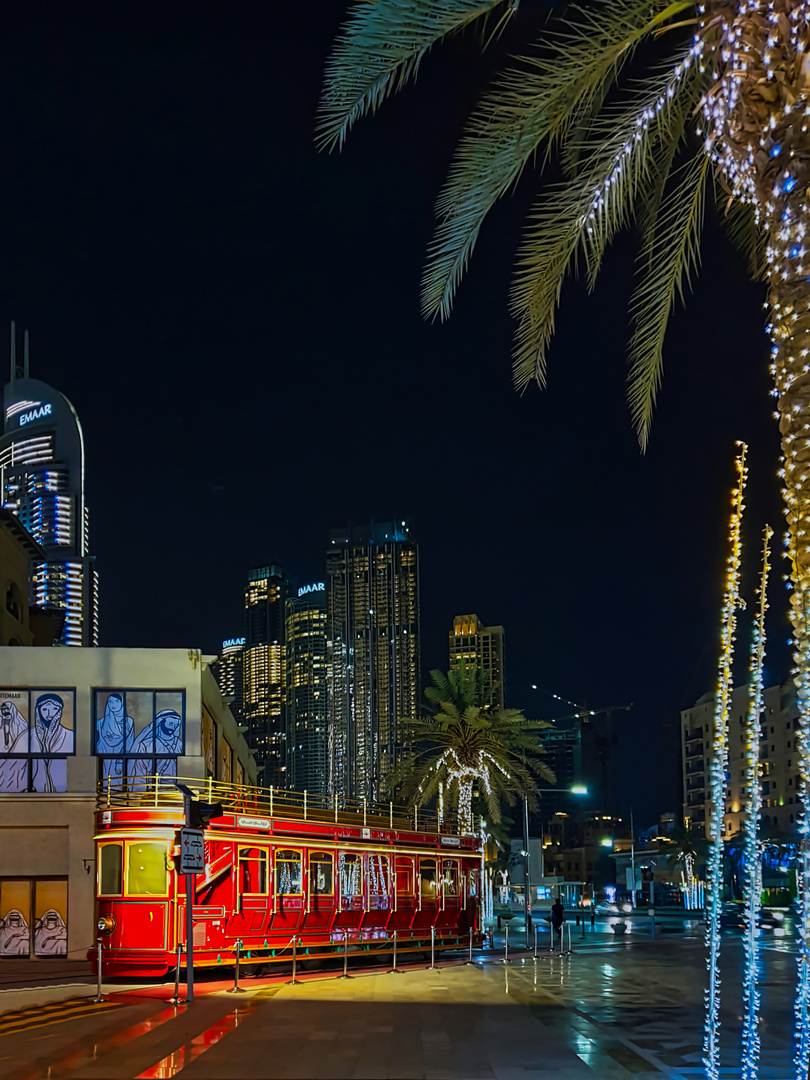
752	878
731	602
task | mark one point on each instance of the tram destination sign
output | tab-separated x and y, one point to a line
192	851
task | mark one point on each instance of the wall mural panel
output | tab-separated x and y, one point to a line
37	730
139	733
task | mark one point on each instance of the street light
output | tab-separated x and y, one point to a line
577	789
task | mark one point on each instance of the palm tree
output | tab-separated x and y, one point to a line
688	849
465	746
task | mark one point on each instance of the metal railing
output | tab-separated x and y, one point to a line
141	792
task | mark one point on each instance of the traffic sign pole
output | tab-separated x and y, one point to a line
189	906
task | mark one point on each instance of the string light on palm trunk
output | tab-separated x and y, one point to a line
731	603
752	880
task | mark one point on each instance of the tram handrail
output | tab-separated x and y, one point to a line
143	792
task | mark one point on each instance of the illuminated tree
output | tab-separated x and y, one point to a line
722	110
466	746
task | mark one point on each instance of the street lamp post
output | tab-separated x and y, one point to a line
577	789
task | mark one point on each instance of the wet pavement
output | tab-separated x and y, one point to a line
620	1006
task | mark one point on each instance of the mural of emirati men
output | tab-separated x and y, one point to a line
164	737
14	935
114	731
13	740
50	935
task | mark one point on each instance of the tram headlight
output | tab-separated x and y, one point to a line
106	924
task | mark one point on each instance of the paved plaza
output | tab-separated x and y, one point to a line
614	1009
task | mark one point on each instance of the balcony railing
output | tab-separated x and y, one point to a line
142	792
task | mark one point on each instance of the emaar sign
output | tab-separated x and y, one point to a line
35	414
317	586
233	642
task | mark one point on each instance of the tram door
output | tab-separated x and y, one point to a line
404	897
378	891
428	894
288	892
252	885
351	891
320	897
450	893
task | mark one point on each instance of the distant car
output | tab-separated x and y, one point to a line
604	908
732	917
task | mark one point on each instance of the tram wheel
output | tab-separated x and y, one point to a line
251	971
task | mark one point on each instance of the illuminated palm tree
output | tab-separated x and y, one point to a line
687	848
467	746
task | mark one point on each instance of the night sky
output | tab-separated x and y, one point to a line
236	319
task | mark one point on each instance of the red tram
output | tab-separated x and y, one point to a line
279	865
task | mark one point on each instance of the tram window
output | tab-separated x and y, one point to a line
450	877
288	873
472	883
427	878
146	870
110	870
320	873
252	871
378	875
404	878
351	875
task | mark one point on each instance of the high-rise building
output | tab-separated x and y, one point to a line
481	646
372	596
229	665
42	483
307	765
263	671
778	754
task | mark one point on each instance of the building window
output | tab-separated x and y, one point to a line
33	917
36	737
138	733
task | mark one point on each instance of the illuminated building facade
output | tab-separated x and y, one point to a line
263	662
42	483
307	766
230	663
480	646
372	596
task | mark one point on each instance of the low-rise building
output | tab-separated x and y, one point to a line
72	723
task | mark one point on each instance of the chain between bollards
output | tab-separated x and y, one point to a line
175	999
345	974
236	988
470	959
99	996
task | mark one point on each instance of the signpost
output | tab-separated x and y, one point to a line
192	861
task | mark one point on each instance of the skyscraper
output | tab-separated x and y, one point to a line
372	596
307	767
229	665
263	671
481	646
42	483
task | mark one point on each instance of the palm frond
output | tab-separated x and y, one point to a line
668	261
380	48
588	214
531	106
747	237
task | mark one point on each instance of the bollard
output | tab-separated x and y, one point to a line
394	969
236	988
99	996
470	959
295	960
345	974
551	937
433	948
175	999
506	959
535	943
